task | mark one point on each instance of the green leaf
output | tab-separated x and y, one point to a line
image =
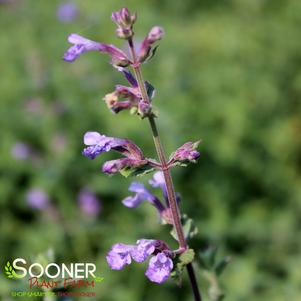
187	257
150	90
181	261
9	270
189	228
153	52
138	171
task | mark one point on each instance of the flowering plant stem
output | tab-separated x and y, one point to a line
166	172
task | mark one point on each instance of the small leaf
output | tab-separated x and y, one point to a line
10	268
153	52
187	257
181	261
173	233
150	90
138	171
189	228
6	268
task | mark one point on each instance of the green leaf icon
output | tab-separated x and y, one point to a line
9	270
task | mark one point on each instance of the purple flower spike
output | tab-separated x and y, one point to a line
145	247
159	268
119	256
80	46
124	21
186	153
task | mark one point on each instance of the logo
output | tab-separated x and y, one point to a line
53	276
10	272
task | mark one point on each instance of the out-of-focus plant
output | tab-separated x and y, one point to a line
212	268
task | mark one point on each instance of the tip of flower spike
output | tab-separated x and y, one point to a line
124	20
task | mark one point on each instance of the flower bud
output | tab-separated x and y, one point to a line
124	21
144	108
146	49
155	34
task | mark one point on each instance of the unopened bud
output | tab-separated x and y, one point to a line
155	34
124	20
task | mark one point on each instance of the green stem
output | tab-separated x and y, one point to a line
166	172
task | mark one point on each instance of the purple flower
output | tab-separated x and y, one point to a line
119	256
159	268
160	265
21	151
82	45
97	144
67	12
129	97
155	34
124	21
113	166
186	153
142	194
159	181
88	202
37	198
144	248
124	97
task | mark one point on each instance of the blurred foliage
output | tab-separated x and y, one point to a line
228	72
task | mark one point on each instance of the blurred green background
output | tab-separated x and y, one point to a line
227	72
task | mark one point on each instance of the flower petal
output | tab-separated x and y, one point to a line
159	268
92	138
119	256
145	247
